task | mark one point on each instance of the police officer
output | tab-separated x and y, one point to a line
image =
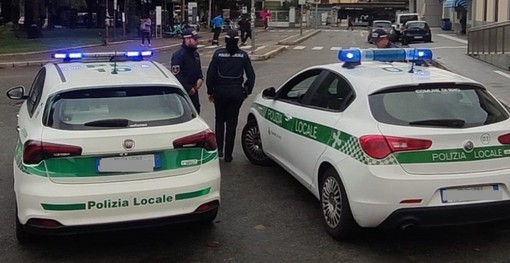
186	65
381	39
225	87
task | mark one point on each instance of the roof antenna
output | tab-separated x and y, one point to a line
115	63
413	62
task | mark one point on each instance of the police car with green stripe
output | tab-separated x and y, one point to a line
107	141
387	144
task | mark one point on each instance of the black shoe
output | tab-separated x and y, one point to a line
228	159
220	154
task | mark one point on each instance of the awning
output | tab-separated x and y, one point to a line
455	3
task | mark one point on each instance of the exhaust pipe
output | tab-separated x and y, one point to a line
408	225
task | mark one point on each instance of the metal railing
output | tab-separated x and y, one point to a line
489	39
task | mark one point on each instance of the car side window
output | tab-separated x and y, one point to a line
333	93
296	89
35	93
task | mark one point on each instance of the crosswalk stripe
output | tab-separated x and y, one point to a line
200	46
299	47
212	46
335	48
245	47
259	48
317	48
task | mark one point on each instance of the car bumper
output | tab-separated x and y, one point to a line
123	203
384	195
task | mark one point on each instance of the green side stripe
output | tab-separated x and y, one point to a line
63	207
349	144
192	194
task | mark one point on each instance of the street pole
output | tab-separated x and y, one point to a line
209	15
316	14
252	26
114	18
107	21
301	21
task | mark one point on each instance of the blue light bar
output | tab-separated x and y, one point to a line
384	54
133	55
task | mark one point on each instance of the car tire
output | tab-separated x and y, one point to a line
336	211
252	144
209	218
23	236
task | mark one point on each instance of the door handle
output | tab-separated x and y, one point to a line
17	128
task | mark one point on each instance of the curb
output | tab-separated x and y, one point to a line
298	40
269	54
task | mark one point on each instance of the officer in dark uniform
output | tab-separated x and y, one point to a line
381	39
226	89
186	65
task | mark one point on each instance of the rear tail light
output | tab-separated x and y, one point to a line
207	207
205	139
36	151
378	146
504	139
44	223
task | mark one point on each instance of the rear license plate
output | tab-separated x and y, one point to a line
418	37
475	193
135	163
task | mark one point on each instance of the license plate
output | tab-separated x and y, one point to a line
135	163
475	193
418	37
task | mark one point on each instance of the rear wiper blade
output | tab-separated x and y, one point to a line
108	123
455	123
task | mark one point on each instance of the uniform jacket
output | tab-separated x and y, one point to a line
186	66
228	70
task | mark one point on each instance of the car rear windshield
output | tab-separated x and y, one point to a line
382	25
417	25
121	107
404	19
445	105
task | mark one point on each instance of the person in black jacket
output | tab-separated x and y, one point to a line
381	39
245	27
186	66
225	87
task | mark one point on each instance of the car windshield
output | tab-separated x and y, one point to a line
454	106
416	25
108	108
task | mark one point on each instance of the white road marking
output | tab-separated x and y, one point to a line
502	73
245	47
335	48
463	41
259	48
317	48
299	47
212	46
200	46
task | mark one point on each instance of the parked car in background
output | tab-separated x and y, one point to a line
416	31
401	20
379	24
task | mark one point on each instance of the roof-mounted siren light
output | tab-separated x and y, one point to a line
353	57
131	55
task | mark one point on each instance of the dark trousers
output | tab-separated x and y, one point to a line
196	101
146	35
217	31
245	35
227	102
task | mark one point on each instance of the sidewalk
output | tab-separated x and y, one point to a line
266	47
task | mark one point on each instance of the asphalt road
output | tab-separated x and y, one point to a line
265	215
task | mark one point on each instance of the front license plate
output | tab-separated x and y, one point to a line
418	37
137	163
475	193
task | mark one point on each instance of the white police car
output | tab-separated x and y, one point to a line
110	143
387	144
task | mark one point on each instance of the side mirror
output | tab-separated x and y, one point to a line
16	93
269	93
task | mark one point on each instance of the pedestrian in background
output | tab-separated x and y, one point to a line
350	23
145	29
245	28
217	24
265	15
185	65
227	89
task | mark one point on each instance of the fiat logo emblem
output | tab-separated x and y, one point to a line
468	146
128	144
